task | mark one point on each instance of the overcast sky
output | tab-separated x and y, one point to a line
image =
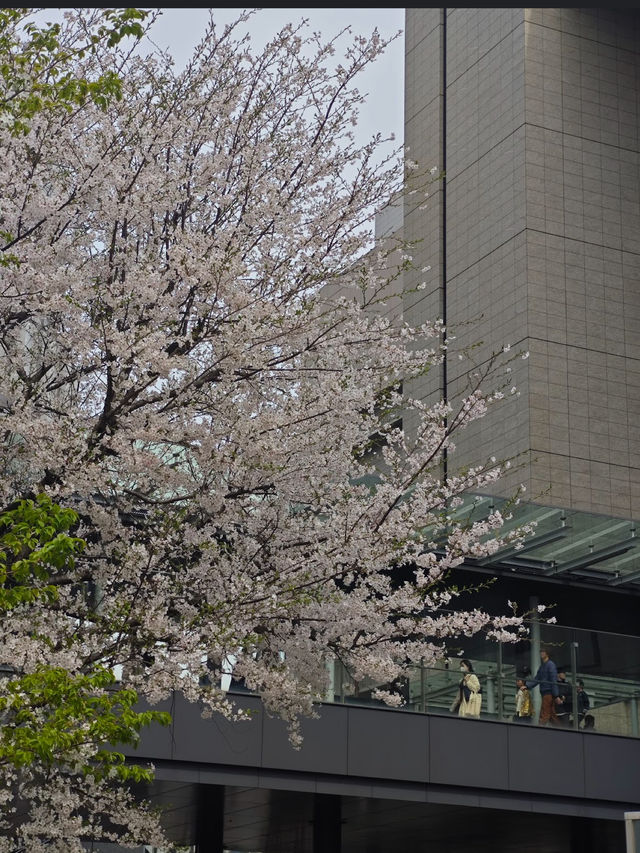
180	29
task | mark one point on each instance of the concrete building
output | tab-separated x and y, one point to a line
533	240
533	237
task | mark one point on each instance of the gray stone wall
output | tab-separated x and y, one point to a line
542	230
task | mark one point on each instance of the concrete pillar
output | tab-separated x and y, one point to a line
535	652
327	824
210	819
583	836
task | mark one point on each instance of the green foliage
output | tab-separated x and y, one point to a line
50	716
38	72
59	719
34	542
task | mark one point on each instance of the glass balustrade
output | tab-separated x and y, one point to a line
601	692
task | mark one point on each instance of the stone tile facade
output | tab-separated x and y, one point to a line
533	238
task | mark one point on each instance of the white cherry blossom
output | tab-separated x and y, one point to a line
193	357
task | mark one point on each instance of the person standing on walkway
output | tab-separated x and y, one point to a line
583	702
564	703
547	680
469	700
524	705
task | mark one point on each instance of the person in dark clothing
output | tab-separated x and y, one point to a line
583	702
546	679
564	702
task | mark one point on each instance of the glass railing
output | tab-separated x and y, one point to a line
601	690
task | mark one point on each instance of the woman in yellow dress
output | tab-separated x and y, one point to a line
469	700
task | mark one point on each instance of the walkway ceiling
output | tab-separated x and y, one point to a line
566	544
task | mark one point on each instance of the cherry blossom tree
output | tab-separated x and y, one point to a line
192	358
57	721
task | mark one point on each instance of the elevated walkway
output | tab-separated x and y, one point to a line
379	754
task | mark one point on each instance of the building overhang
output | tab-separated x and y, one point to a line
566	545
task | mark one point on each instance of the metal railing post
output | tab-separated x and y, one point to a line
423	698
341	684
574	684
330	694
535	652
491	692
633	710
500	684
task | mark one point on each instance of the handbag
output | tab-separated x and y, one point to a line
475	703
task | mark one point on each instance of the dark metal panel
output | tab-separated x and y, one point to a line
468	752
284	781
545	760
210	775
215	740
229	776
171	771
346	787
324	749
453	796
538	804
408	792
567	806
388	744
612	768
156	741
508	801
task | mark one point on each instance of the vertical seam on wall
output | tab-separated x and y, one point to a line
443	78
